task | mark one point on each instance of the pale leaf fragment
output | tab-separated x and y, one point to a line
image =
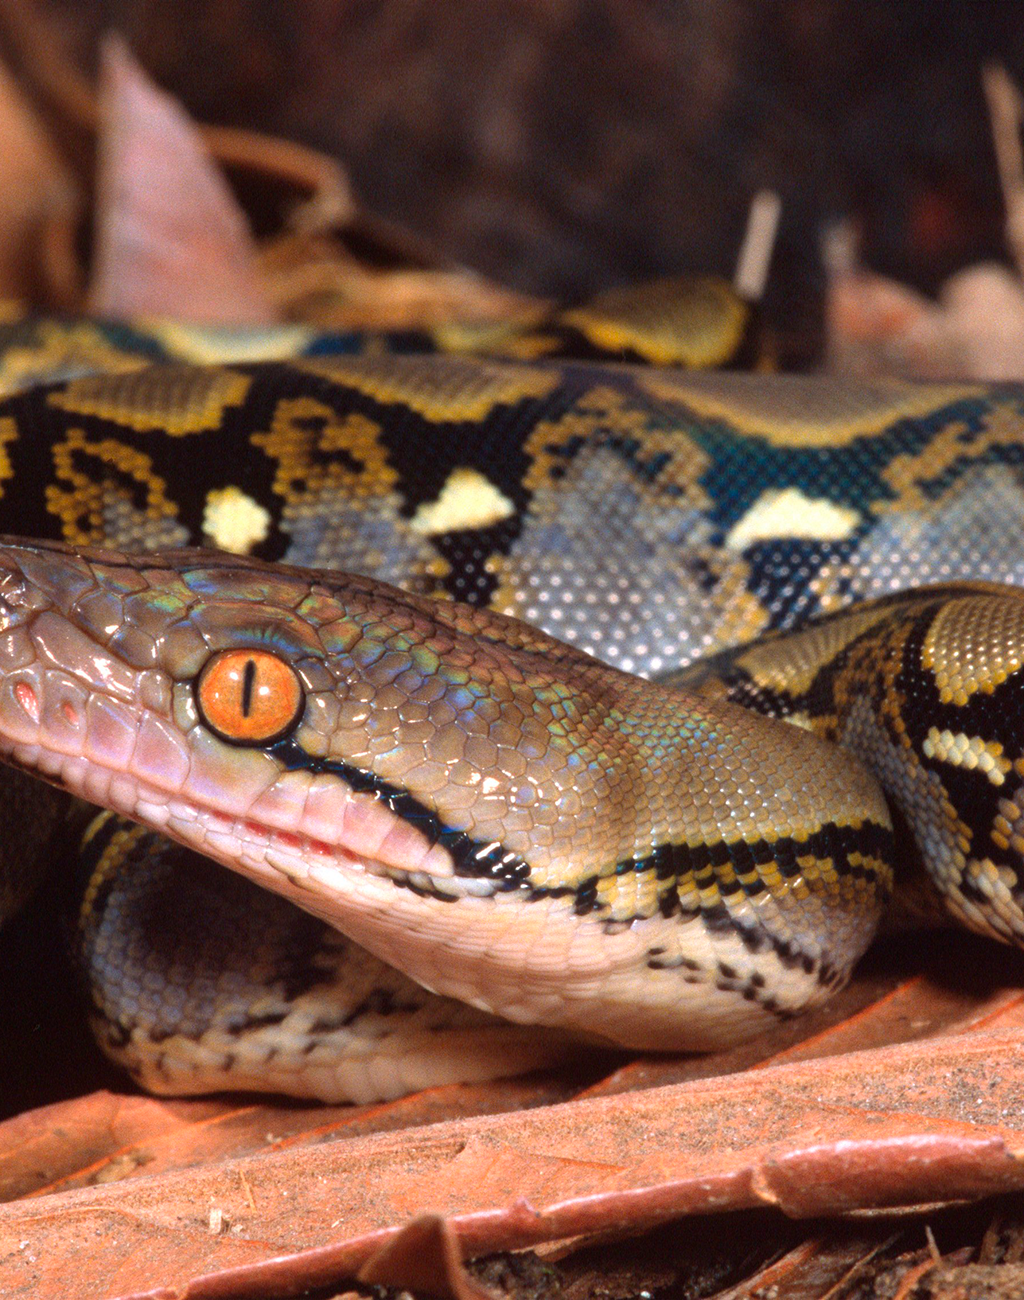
170	238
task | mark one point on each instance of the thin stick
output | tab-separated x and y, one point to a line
758	244
1006	111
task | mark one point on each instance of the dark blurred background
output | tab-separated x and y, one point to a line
562	146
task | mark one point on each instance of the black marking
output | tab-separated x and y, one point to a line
423	891
378	1002
996	715
719	920
243	1021
655	961
704	863
117	1035
476	859
586	896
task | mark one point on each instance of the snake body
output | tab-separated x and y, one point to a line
515	825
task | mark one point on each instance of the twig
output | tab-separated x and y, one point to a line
758	244
1006	111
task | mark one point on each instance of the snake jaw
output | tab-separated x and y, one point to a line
446	756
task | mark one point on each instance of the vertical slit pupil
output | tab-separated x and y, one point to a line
248	683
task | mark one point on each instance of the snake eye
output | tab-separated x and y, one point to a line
248	696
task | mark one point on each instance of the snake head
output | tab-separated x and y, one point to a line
503	817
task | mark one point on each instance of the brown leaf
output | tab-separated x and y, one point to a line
315	280
919	1123
424	1257
35	191
170	238
105	1137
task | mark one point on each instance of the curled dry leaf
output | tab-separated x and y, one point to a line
170	239
104	1138
424	1257
919	1123
877	327
314	279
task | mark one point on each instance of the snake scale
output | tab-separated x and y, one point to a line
474	777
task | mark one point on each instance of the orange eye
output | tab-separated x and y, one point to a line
248	696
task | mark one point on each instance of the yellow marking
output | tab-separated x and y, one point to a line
467	500
974	644
794	411
233	521
208	345
303	436
439	388
583	442
511	340
913	475
177	400
788	513
8	434
1010	822
628	896
804	721
791	664
772	878
879	870
96	825
568	446
685	889
523	347
802	886
122	842
971	752
81	509
604	412
691	321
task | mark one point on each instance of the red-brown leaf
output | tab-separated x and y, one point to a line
922	1122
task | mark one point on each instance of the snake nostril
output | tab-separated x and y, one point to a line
28	700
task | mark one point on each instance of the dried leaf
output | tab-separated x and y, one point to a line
35	191
877	327
105	1137
984	308
170	238
919	1123
315	280
424	1257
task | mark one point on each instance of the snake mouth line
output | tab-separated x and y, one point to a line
237	841
281	850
